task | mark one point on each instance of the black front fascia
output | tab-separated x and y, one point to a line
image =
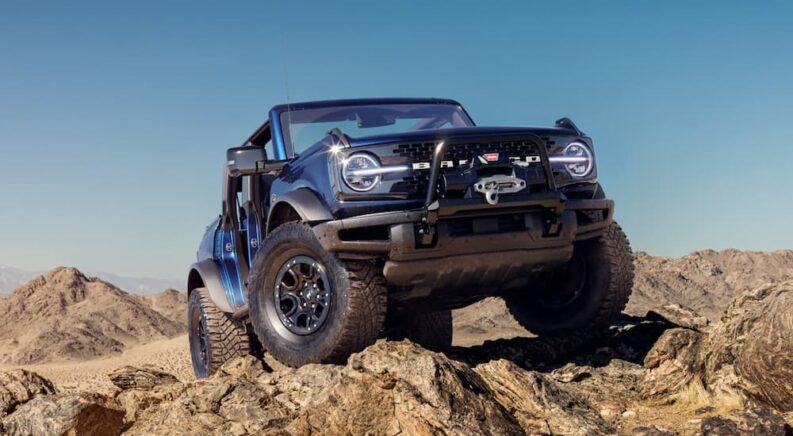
435	208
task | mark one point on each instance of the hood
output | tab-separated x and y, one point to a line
460	133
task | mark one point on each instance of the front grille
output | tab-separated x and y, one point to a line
414	185
417	182
422	152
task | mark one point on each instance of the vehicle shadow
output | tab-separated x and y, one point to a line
630	338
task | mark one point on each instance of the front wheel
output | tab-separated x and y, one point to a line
308	306
588	292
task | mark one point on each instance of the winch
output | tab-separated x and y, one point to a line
492	186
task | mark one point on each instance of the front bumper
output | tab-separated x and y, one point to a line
474	245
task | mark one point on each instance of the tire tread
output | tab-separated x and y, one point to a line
617	257
621	273
228	338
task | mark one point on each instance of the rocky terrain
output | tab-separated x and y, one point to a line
64	315
671	370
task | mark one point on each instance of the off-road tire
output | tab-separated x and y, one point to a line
431	330
607	286
357	307
224	338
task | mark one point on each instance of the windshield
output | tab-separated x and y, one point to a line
305	127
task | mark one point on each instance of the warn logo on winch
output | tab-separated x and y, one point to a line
485	158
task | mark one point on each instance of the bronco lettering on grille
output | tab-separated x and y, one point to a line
527	160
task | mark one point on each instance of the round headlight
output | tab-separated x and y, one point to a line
577	159
360	172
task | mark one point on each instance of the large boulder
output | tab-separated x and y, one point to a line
751	351
389	388
83	414
399	387
18	387
142	388
540	405
745	358
753	420
673	364
146	378
233	401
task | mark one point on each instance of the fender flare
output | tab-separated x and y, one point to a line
207	272
305	203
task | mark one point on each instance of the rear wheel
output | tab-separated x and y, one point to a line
588	292
308	306
431	330
214	336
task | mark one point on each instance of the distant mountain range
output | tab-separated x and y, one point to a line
12	278
63	315
141	285
706	281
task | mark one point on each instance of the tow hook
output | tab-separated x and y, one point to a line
492	186
553	223
426	228
426	232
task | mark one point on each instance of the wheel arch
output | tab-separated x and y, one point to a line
298	205
194	281
205	274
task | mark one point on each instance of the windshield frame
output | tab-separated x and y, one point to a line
283	112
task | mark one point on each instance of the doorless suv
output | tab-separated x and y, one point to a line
344	221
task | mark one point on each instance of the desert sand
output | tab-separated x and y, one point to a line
172	355
473	327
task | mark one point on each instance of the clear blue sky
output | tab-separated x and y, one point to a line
114	116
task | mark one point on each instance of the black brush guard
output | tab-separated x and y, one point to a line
435	209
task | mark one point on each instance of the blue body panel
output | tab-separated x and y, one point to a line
206	250
278	138
226	258
253	230
219	246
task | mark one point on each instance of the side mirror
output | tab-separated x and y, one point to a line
245	161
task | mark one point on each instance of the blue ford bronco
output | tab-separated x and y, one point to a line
350	220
